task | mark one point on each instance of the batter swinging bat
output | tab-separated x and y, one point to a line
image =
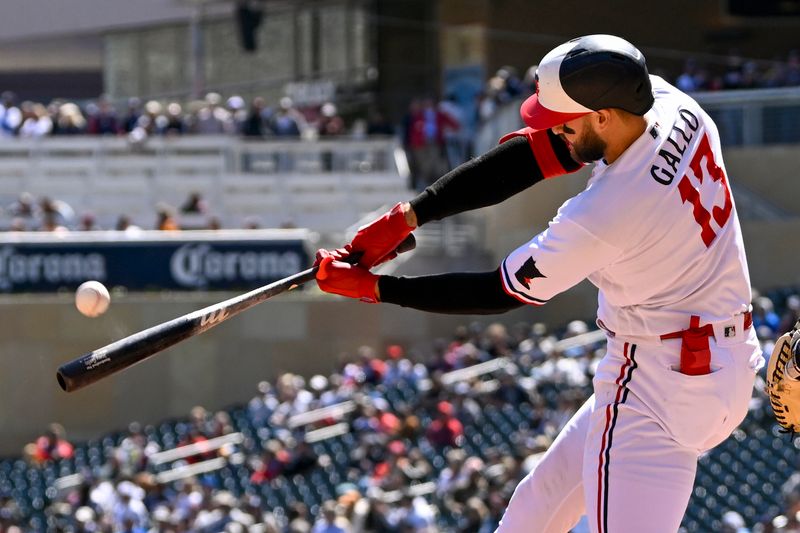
121	354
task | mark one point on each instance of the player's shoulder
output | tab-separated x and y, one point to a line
668	98
663	87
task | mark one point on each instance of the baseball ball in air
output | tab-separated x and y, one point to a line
92	298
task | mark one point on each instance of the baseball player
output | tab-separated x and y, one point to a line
656	231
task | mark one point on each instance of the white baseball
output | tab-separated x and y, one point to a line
92	298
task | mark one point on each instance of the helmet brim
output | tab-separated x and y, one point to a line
538	117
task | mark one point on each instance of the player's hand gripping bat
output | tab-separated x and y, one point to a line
121	354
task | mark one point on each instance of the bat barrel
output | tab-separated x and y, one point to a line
119	355
94	366
69	375
83	371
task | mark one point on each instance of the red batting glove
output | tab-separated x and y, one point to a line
378	239
337	277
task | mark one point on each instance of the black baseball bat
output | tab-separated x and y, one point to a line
135	348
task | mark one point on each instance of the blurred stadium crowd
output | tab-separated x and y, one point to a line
394	441
437	134
259	119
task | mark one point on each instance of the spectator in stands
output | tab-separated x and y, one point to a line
236	107
125	224
693	78
217	515
445	429
261	406
54	112
254	222
25	207
174	123
791	313
166	220
383	420
56	214
103	118
50	223
330	122
287	121
473	516
732	522
301	458
455	133
739	73
496	505
331	520
36	121
131	118
149	121
10	114
195	204
764	314
411	463
513	86
255	124
424	140
509	391
188	500
214	223
496	341
212	118
70	120
134	450
128	511
299	518
272	462
88	222
51	446
453	472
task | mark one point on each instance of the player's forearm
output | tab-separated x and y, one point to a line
472	293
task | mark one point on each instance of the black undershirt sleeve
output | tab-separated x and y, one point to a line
486	180
469	293
500	173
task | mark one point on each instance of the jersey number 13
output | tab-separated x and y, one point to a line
691	194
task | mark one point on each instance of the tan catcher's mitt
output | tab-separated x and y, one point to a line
784	392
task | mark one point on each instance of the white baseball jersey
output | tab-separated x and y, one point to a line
656	231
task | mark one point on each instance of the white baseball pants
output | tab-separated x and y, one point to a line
627	458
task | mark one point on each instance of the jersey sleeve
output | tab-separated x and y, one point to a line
553	261
551	153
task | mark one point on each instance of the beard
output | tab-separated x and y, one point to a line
589	148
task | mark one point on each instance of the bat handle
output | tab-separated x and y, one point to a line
408	244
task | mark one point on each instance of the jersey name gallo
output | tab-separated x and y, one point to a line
672	152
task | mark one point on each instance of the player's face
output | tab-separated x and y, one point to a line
585	145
